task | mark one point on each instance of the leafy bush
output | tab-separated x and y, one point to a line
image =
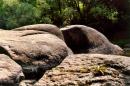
15	13
102	10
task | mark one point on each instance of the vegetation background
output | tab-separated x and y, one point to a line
111	17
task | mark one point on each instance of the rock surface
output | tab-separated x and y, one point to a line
41	47
43	27
36	51
10	72
83	39
89	70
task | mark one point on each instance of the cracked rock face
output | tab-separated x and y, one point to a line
83	39
34	49
10	72
89	70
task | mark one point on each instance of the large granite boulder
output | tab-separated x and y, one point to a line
10	72
83	39
36	51
89	70
42	27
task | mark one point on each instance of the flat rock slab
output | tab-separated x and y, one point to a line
89	70
10	72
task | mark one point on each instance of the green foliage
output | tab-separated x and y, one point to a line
122	42
68	14
15	13
102	10
99	70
